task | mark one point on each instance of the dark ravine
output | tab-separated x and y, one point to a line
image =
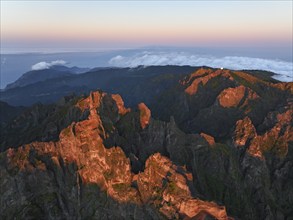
216	144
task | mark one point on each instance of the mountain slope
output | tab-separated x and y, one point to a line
82	167
40	123
113	80
211	143
8	112
211	100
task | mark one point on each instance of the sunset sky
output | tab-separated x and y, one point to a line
124	24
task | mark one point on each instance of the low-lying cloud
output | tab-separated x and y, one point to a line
46	65
283	69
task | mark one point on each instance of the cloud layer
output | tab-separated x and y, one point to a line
46	65
283	70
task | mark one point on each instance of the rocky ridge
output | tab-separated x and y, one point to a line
162	185
217	135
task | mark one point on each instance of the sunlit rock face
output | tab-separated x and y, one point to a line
79	161
217	145
244	132
276	139
208	138
145	115
201	77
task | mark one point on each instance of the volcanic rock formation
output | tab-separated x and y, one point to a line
217	143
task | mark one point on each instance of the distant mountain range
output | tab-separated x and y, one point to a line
35	76
49	85
53	84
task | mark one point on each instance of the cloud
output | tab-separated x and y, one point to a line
283	69
46	65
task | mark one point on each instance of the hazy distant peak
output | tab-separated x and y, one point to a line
54	70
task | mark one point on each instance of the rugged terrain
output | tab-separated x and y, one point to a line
210	144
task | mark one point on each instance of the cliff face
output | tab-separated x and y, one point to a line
77	177
212	101
223	149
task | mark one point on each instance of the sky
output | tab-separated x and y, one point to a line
130	24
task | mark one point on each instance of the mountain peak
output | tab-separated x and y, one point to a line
202	77
210	143
81	150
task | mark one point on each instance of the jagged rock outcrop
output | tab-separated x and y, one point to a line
240	110
276	139
79	164
216	143
213	100
244	132
166	185
144	115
